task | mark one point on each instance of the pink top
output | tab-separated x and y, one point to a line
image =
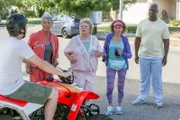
86	60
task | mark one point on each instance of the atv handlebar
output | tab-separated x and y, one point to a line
69	79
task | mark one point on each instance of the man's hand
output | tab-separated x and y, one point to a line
136	59
28	69
67	74
164	61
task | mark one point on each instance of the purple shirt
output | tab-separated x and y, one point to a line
126	52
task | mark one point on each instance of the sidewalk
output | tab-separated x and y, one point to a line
2	25
101	35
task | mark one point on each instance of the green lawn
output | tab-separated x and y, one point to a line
34	21
174	28
30	21
132	28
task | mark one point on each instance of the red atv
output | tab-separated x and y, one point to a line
71	104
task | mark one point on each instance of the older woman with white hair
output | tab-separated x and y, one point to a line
45	44
82	52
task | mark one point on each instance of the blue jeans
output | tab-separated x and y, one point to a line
151	68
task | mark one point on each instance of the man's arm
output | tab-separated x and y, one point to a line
137	43
166	50
46	66
26	61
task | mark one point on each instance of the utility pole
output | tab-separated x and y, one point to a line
120	9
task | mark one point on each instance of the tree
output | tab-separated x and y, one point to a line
5	3
80	7
2	5
84	7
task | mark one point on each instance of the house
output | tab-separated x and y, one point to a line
139	11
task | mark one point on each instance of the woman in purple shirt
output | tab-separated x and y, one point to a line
116	54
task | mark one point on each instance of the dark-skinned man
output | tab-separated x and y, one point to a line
151	50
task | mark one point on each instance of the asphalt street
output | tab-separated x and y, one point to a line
171	85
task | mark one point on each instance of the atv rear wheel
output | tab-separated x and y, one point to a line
9	114
6	117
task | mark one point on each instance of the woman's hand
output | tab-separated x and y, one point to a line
56	63
73	60
119	52
98	53
103	57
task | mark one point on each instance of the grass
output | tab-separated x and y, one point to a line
30	21
34	21
174	28
2	23
132	28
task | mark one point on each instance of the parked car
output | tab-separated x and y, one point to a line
65	25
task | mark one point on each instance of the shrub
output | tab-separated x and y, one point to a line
131	28
29	13
174	22
4	13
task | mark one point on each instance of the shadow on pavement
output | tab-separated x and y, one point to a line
148	111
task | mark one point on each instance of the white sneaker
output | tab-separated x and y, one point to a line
138	102
159	104
119	110
109	110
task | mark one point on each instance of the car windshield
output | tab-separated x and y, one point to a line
55	17
76	17
68	17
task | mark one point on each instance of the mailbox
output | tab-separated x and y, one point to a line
96	17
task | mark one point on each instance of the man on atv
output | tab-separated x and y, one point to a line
14	51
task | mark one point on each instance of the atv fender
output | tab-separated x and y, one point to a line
78	101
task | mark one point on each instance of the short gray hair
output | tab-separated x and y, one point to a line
47	16
88	21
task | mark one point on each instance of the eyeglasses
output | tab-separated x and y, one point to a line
22	32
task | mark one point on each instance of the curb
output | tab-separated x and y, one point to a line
101	35
2	25
175	39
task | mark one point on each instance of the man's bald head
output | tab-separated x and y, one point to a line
153	10
153	5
